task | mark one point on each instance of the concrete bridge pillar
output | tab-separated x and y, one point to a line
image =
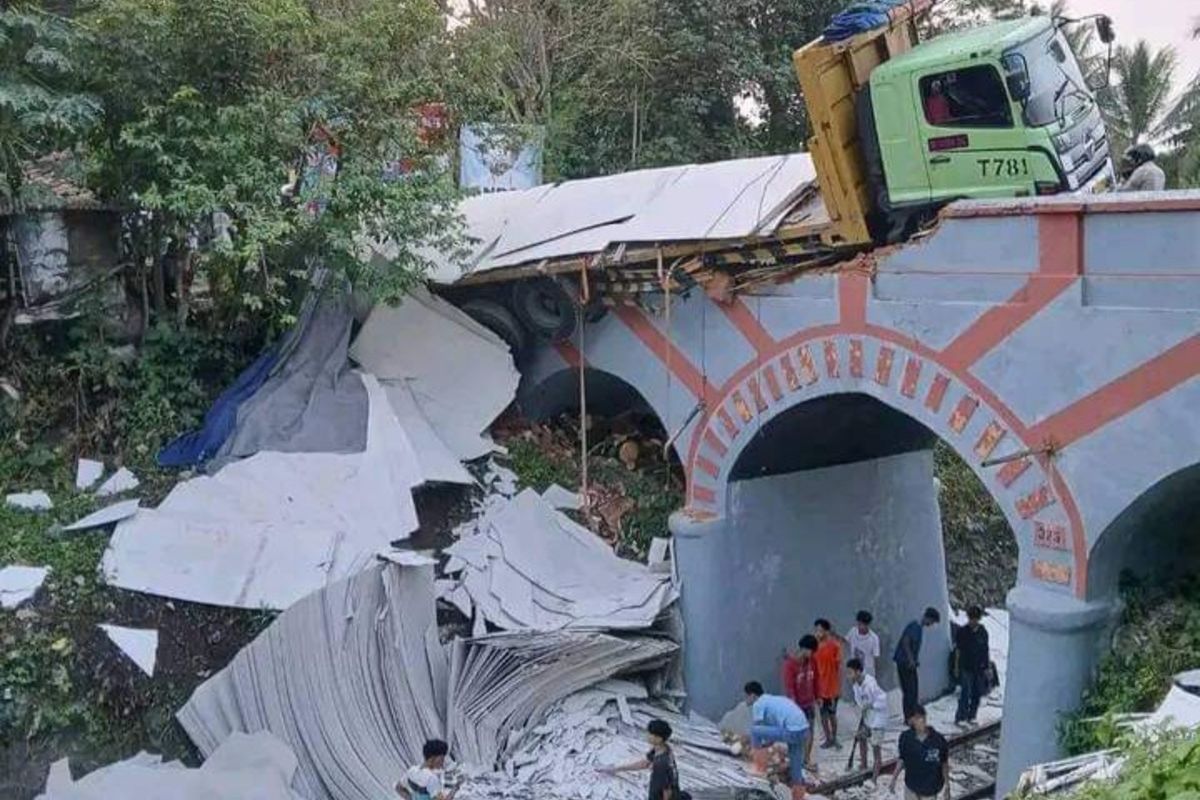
796	546
1053	645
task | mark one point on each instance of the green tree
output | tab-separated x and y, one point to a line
638	83
40	108
1137	104
209	108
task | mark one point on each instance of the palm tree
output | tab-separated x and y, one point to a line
1137	104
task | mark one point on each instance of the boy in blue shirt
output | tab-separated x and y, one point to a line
778	719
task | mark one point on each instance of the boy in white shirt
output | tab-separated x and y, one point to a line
873	702
425	781
863	642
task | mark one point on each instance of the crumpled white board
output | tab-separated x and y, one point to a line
267	530
140	644
530	567
116	512
351	677
120	481
37	500
87	472
19	583
460	374
436	461
254	766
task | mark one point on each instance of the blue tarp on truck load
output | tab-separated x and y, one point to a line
859	17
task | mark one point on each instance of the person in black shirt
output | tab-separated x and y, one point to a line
664	776
971	646
924	759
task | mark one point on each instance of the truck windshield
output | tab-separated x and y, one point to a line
1056	85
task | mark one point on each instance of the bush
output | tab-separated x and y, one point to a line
1159	636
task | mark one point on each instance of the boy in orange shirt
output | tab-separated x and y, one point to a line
828	660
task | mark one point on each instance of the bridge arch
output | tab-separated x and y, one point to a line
909	378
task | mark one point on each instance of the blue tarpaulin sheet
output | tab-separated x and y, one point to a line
196	447
859	17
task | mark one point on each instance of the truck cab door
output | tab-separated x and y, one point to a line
972	141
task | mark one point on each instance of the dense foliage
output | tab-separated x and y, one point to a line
40	104
1159	636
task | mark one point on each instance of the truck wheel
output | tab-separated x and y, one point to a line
545	308
499	320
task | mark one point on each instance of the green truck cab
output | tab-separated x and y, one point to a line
1001	110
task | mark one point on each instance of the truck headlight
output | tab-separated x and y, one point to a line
1062	142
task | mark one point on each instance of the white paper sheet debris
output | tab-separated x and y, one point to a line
254	766
18	584
531	567
59	776
560	758
87	472
461	375
140	644
502	683
37	500
438	463
120	481
562	499
269	529
116	512
351	677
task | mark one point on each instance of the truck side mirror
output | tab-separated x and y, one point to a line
1104	28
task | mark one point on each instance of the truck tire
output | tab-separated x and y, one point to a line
545	308
500	321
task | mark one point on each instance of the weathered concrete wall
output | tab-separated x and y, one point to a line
802	545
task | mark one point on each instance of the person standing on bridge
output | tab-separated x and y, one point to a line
907	658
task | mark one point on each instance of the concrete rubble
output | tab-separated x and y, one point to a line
18	584
247	767
530	567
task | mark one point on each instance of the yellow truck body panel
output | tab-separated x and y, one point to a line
831	74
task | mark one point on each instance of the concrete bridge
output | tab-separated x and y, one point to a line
1054	345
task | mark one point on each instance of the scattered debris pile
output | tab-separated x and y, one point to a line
605	726
352	678
267	530
530	567
246	767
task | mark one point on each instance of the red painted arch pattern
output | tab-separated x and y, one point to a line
913	380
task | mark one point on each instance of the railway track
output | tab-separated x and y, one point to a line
962	740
